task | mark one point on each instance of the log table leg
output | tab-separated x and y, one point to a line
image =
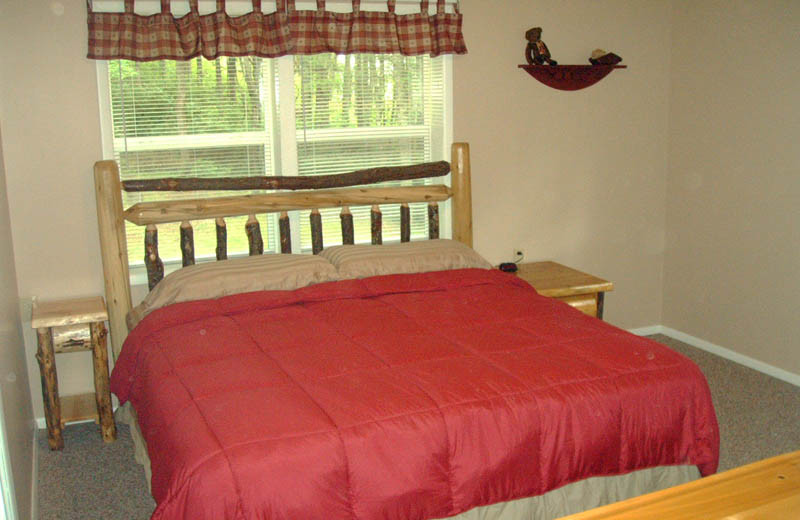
52	405
601	298
102	392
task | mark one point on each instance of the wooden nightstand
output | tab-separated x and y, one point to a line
583	291
72	326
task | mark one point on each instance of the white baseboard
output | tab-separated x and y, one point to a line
760	366
647	331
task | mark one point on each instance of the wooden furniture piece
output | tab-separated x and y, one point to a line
112	217
583	291
327	192
766	489
72	326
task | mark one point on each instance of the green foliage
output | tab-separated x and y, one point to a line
192	97
219	118
198	97
359	90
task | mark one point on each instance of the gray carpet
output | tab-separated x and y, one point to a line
91	480
759	417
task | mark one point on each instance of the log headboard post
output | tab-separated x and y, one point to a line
462	193
113	249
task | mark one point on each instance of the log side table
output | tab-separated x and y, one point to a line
583	291
72	326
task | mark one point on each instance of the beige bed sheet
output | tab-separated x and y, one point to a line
572	498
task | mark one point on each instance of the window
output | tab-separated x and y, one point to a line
297	115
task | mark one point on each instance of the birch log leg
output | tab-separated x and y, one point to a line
46	357
433	221
102	393
316	231
348	236
253	230
153	263
187	243
376	225
405	223
222	239
285	232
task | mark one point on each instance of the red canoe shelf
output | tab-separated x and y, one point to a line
570	77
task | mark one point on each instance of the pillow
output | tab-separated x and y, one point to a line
361	261
276	272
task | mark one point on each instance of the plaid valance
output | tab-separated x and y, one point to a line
162	36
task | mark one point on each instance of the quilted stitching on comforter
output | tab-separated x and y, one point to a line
407	396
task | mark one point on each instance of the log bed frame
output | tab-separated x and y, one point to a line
301	193
328	192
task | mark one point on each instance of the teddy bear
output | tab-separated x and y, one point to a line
537	52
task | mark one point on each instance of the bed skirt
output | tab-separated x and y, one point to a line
566	500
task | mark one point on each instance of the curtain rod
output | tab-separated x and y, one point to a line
399	2
155	5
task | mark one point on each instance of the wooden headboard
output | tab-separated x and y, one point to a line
312	193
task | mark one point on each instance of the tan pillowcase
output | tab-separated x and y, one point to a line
361	261
270	272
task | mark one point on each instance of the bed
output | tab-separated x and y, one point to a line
406	380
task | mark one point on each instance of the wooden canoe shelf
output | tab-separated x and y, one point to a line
570	77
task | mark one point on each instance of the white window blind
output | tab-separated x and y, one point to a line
223	118
364	111
192	119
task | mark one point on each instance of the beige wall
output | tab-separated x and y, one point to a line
733	220
51	138
17	411
575	176
580	177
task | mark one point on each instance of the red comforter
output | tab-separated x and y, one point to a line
405	397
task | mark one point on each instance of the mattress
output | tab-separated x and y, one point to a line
406	396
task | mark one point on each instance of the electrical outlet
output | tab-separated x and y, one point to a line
519	254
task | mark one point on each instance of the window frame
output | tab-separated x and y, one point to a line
285	148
